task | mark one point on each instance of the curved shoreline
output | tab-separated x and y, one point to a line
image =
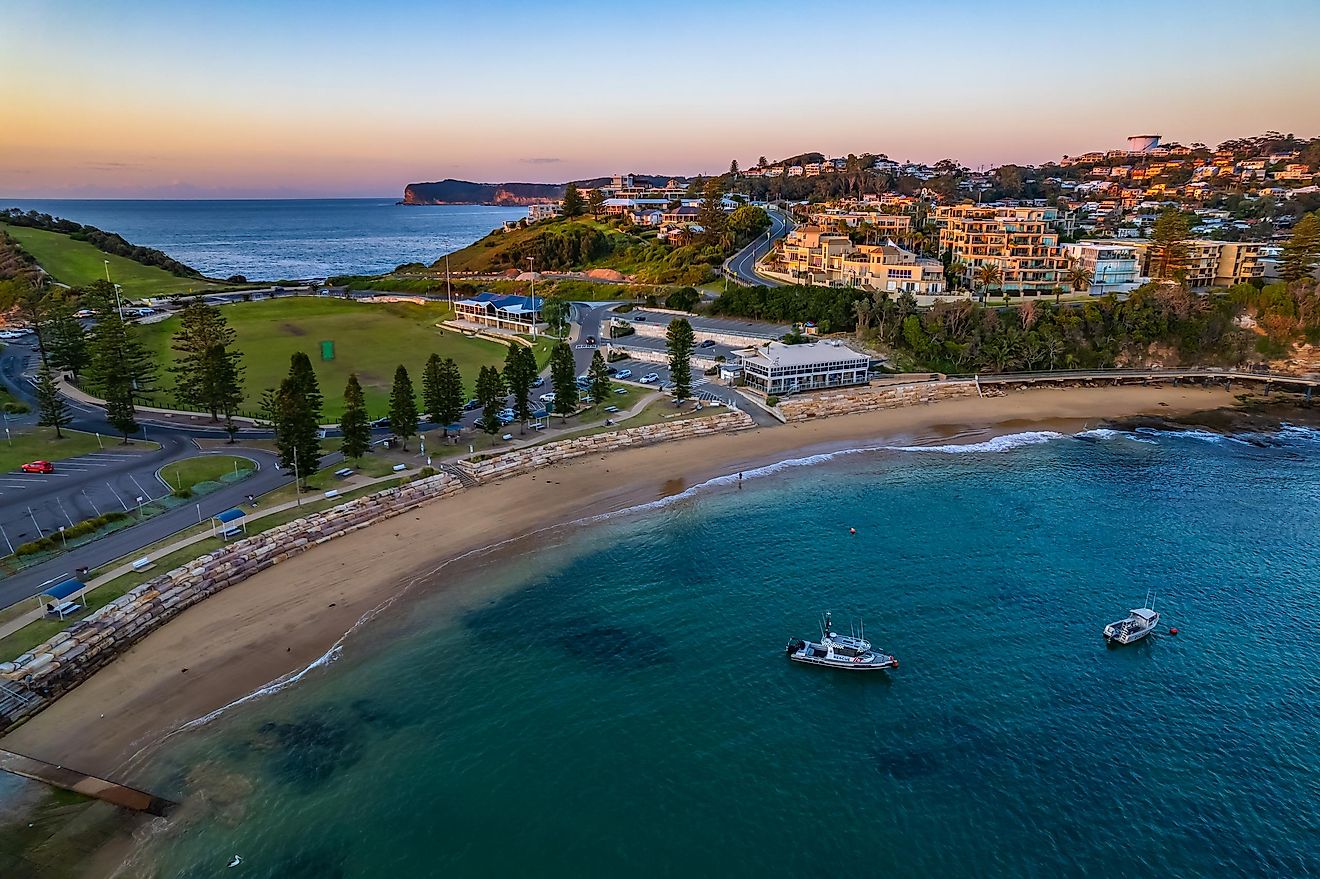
229	647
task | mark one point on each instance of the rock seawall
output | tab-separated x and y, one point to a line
37	678
866	399
522	461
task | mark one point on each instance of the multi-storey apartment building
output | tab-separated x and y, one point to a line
1212	263
814	256
1113	265
1023	242
883	224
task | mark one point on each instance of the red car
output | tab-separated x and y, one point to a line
39	467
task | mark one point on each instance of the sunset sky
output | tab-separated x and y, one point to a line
271	98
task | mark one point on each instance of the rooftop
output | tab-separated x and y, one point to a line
810	354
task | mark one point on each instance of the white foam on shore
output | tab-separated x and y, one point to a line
1004	443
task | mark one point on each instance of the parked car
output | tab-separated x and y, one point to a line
39	467
640	317
591	340
623	373
381	422
540	382
620	390
611	409
507	413
650	378
709	343
470	405
547	398
611	370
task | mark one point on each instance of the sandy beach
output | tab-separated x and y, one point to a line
285	618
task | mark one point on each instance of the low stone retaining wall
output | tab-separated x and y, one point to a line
36	678
865	399
524	460
42	675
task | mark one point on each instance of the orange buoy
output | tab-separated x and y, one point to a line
1173	631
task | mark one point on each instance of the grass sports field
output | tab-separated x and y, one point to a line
370	339
78	263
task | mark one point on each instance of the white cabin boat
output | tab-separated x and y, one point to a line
1140	622
846	652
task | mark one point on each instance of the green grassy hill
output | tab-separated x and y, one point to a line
584	243
78	263
370	339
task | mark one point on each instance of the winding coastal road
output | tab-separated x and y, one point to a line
743	263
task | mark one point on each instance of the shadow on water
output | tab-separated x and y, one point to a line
307	752
959	742
607	645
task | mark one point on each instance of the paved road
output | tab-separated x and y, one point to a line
743	263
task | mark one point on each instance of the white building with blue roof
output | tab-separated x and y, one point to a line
517	313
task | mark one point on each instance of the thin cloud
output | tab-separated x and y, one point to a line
548	161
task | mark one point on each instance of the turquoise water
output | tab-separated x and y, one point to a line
615	700
272	239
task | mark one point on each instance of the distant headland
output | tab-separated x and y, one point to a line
466	192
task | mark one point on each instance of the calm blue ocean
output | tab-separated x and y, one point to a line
616	701
286	238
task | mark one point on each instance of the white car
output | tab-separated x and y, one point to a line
10	334
650	378
547	398
623	373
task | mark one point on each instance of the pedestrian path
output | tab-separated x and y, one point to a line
11	626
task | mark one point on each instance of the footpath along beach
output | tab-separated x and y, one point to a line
283	620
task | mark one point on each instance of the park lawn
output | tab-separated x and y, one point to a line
658	411
371	339
78	263
39	443
203	468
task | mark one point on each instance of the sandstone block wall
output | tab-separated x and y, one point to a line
525	460
865	399
36	678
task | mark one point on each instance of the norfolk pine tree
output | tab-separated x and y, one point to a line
68	340
403	406
563	380
679	343
354	425
51	409
490	394
596	201
518	376
204	367
1302	251
297	416
450	394
573	206
432	398
600	378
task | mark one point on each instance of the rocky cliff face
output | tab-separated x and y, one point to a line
466	192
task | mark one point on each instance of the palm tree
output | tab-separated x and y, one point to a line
1079	278
956	269
987	275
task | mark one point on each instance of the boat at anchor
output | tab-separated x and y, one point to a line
845	652
1140	622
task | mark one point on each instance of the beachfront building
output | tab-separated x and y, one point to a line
1113	265
777	369
1022	241
518	313
1213	263
814	256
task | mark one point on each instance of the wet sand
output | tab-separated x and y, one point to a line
285	618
